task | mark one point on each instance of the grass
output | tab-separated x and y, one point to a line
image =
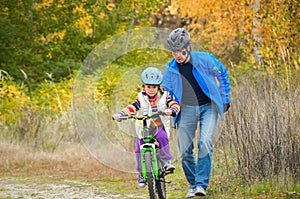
66	166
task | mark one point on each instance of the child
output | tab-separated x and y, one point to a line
151	99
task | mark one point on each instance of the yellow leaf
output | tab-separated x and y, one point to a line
110	6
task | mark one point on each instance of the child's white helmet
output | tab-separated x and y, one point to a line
152	76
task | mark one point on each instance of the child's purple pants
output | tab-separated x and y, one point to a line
164	146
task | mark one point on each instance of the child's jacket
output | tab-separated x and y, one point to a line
145	106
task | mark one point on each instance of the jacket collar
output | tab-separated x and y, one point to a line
174	65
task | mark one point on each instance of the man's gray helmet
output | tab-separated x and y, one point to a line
152	76
178	39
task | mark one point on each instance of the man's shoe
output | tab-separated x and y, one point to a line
141	182
169	167
190	193
199	191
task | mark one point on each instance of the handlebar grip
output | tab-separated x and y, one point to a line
161	113
123	117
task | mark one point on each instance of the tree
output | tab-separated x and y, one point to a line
55	36
246	30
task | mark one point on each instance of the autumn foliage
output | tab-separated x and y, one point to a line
43	45
265	33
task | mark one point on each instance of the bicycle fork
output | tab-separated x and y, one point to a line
151	148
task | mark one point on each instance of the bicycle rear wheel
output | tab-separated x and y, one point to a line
150	175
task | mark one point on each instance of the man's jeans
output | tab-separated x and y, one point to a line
197	174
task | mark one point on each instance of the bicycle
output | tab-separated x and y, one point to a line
153	170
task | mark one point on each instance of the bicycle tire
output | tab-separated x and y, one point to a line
150	175
161	186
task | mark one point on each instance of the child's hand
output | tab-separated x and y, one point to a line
168	112
117	117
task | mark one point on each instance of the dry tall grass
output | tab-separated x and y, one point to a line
69	160
262	129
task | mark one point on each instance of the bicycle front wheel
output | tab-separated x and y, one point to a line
161	186
150	175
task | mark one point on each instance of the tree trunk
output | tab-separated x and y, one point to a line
256	36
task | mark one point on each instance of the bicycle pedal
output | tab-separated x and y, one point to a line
169	172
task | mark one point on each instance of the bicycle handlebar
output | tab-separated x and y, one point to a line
143	117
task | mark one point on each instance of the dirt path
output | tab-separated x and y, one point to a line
39	188
68	173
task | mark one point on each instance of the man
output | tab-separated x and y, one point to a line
201	85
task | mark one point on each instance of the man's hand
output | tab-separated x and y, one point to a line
226	107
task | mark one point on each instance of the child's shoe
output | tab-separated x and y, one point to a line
169	167
141	182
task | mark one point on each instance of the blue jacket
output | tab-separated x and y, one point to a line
206	69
